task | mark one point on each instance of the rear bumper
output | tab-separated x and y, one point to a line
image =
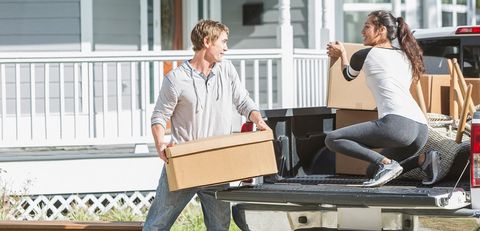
463	212
249	216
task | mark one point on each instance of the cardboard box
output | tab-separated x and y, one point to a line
436	91
437	94
220	159
346	164
345	94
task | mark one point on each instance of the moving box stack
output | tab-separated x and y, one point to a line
354	103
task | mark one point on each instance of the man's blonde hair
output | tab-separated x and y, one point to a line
206	29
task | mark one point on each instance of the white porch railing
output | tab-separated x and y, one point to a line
311	71
57	99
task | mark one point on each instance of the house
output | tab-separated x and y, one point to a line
79	73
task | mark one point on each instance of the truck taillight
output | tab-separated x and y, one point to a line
475	151
468	30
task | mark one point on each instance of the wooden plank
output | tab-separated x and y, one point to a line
463	116
69	225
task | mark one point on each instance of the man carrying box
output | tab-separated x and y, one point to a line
198	97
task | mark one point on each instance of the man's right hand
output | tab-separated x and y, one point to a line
161	151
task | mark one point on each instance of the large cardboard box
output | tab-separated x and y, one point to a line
346	164
345	94
436	91
437	94
220	159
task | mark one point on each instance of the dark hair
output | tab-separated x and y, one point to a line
398	29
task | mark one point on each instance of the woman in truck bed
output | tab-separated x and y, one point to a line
401	128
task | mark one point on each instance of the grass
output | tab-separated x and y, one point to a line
125	214
448	224
191	219
81	214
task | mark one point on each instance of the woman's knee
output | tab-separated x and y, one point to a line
330	139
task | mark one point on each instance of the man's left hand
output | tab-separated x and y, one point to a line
262	126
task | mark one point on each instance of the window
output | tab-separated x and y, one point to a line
461	19
436	52
353	26
447	19
471	61
355	12
454	12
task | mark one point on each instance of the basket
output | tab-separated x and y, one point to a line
441	138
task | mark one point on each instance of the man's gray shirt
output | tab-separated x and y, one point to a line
201	106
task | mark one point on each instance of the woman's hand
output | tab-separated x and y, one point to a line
335	50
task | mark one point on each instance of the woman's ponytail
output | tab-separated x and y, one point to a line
411	48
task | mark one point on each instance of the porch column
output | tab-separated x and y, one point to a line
86	27
285	43
471	13
396	8
411	13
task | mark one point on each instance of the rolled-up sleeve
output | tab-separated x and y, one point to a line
166	102
242	101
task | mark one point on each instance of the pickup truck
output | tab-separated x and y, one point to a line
307	194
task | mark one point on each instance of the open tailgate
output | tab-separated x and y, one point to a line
349	195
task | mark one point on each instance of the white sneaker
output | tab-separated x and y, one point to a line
384	174
431	167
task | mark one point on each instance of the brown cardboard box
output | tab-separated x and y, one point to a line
436	90
345	164
220	159
476	89
345	94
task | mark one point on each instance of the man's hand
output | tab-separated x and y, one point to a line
161	151
256	117
262	126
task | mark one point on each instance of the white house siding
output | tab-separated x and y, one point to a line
116	25
39	25
264	36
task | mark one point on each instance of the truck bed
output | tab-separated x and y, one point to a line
348	191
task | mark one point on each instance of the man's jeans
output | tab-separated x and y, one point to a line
167	206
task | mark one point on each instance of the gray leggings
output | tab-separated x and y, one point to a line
399	137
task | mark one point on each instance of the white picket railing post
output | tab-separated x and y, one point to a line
285	40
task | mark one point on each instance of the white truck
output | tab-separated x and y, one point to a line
306	194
